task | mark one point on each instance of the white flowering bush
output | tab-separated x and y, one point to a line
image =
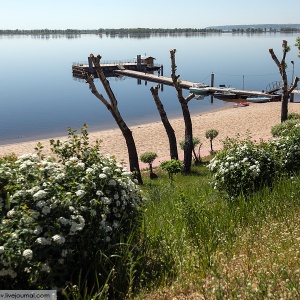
58	215
286	128
243	167
286	148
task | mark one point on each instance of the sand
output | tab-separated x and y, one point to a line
257	118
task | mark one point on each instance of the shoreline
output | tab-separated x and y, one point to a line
257	119
104	126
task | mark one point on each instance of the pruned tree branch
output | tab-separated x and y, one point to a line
188	145
175	79
105	82
94	90
294	85
285	90
112	106
274	57
168	127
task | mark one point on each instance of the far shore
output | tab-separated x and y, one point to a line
257	119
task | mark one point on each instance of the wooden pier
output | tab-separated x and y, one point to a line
187	84
144	71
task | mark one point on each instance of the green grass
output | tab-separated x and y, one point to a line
199	245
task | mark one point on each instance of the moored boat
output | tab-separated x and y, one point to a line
199	89
258	99
225	95
199	97
226	87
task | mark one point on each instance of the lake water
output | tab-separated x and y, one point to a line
39	98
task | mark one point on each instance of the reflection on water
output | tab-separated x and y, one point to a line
40	98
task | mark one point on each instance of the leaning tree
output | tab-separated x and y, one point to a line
188	145
112	106
168	127
286	91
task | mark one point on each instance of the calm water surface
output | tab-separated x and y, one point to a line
39	97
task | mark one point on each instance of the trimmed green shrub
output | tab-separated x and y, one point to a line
148	158
173	166
196	142
211	134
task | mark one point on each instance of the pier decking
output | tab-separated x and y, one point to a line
145	72
184	83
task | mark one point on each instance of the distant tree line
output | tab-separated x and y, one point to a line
120	31
143	32
261	30
45	31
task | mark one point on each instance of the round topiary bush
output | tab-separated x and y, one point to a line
148	158
211	134
172	166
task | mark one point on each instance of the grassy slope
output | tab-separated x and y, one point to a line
206	247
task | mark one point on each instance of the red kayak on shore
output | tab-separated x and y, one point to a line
241	104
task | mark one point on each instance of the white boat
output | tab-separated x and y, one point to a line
199	89
258	99
225	95
225	92
199	97
226	87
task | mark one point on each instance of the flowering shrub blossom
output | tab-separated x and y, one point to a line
27	254
287	148
56	216
243	168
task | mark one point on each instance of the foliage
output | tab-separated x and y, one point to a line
196	142
61	219
286	127
172	166
148	157
11	157
243	167
293	116
286	149
211	134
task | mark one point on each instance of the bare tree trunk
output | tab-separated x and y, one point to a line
168	127
188	145
285	90
211	146
112	106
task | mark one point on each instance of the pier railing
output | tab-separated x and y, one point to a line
107	62
274	86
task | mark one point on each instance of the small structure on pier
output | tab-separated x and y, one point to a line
146	62
140	63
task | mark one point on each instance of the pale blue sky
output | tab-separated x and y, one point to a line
94	14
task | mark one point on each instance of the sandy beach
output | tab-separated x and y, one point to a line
257	118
